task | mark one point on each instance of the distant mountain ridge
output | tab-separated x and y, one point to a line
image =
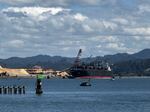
119	57
60	63
144	54
44	61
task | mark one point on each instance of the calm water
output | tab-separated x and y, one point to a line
63	95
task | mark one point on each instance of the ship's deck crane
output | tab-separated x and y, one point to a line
77	60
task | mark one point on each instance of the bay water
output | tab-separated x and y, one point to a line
66	95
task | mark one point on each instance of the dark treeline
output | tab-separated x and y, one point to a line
121	63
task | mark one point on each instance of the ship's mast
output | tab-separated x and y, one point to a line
77	60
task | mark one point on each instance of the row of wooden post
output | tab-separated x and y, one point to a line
12	89
21	89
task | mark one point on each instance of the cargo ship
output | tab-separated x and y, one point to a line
96	69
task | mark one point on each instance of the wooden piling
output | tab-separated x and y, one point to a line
10	89
19	90
23	89
5	90
0	89
14	89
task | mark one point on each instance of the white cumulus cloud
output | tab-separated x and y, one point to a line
80	17
138	31
34	11
61	27
144	8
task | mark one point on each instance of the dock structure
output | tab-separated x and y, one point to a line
12	90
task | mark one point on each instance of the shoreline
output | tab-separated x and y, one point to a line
126	77
34	77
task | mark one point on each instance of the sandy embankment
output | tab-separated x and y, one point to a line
23	72
15	72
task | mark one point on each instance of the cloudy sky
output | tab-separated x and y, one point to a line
61	27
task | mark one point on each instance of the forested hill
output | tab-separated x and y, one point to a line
122	62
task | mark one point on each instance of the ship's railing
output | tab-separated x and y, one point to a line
88	68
